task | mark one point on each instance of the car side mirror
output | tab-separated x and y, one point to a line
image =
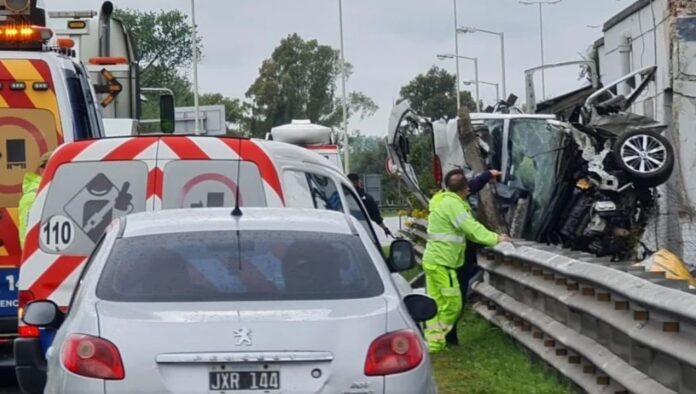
167	113
43	313
421	307
401	255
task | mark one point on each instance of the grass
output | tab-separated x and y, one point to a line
489	362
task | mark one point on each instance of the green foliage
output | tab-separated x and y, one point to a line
163	51
163	43
489	362
368	155
234	109
431	94
299	81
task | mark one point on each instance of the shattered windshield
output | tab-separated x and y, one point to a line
495	141
534	147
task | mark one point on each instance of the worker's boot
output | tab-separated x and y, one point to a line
451	337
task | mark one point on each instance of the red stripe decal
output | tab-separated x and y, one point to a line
14	98
55	275
249	151
65	154
130	149
43	70
185	148
154	183
31	243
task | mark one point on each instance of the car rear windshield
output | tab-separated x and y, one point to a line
222	266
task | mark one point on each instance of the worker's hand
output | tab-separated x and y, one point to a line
504	238
494	175
387	232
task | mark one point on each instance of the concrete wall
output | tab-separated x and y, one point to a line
663	33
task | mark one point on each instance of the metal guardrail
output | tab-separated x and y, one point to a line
607	327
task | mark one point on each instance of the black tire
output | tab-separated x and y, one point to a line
646	167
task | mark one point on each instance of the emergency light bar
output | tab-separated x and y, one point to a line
24	37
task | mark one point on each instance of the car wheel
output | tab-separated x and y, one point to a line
647	157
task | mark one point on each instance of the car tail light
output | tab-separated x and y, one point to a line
395	352
437	170
23	298
92	357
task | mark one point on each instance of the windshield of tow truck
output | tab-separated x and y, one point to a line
534	148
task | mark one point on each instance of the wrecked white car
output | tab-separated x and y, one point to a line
586	184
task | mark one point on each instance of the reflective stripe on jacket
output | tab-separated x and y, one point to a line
30	186
450	224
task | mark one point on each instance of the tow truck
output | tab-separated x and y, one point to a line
46	99
106	47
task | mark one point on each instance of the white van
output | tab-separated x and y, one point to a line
88	184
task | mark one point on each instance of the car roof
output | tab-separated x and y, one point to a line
220	219
293	152
485	116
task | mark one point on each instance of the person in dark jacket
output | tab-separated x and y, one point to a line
471	268
369	202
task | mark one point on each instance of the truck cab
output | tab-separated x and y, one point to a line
46	99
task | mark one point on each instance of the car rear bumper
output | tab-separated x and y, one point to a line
30	365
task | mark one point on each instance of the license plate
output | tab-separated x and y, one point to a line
244	380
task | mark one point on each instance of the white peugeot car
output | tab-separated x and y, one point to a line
270	301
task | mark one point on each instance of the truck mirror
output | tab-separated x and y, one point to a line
167	113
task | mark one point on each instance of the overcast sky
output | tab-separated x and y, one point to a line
388	41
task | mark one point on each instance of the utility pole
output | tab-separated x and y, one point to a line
456	56
194	49
346	143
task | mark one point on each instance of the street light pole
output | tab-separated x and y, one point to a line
541	3
496	85
543	62
194	50
476	71
502	59
501	35
478	85
456	58
346	149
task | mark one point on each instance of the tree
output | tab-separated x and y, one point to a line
431	94
163	43
298	81
163	52
234	109
368	155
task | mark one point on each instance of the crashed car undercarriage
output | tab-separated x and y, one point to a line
587	183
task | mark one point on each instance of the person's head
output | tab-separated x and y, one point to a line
355	180
456	182
43	160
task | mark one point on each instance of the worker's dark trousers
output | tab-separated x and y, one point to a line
464	274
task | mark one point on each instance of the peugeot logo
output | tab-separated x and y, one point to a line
243	336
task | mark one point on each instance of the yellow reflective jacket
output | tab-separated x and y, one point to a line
30	186
450	224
